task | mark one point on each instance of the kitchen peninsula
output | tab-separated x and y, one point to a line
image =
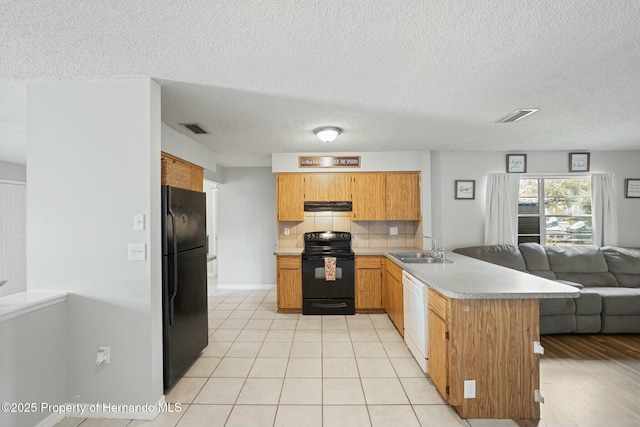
483	327
484	333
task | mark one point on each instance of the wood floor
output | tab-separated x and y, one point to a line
590	380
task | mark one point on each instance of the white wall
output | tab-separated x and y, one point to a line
13	172
32	366
459	223
247	227
94	161
185	148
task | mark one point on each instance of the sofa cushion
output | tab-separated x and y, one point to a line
620	324
559	324
536	261
624	263
582	264
505	255
554	306
591	324
619	301
589	302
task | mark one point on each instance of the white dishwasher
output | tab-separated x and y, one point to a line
415	321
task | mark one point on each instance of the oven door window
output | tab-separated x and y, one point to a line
320	274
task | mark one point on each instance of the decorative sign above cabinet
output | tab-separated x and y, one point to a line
329	161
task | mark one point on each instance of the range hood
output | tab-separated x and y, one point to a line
321	206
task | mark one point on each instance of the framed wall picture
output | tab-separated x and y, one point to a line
632	188
516	163
578	162
465	189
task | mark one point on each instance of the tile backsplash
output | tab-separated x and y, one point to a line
364	234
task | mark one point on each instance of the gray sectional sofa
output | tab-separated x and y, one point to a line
608	279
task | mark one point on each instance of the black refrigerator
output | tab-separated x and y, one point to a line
184	280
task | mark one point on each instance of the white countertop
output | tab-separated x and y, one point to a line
469	278
20	303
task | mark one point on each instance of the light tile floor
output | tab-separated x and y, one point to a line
263	368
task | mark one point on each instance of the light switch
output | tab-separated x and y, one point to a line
138	222
137	251
287	231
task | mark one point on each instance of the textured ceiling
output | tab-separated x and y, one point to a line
395	75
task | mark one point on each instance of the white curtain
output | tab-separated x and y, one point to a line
501	223
603	209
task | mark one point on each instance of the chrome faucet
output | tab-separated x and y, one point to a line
434	245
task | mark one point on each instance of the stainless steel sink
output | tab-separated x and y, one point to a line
418	258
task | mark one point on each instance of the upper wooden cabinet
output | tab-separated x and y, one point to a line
368	196
290	197
327	186
403	196
180	173
376	196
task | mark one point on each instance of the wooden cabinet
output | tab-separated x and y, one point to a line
438	333
368	196
402	200
290	197
369	283
490	342
393	300
289	283
376	196
327	187
180	173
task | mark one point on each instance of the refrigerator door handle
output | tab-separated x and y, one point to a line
174	260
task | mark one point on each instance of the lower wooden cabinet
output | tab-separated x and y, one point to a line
438	333
369	283
392	294
289	283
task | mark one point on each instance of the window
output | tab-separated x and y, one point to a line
555	211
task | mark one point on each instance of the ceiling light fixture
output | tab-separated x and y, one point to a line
518	114
327	133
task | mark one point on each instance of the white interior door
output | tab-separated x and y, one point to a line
13	257
211	189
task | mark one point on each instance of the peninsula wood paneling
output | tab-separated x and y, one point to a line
491	341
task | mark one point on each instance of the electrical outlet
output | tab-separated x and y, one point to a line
103	356
287	231
470	389
393	231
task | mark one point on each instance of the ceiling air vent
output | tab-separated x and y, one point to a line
194	127
517	115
